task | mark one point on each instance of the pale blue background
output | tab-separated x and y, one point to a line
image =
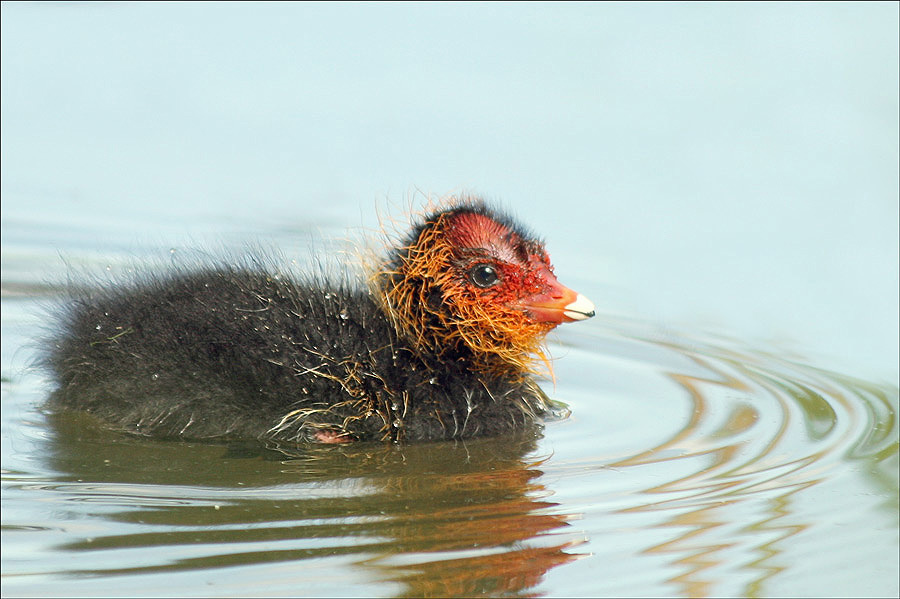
730	167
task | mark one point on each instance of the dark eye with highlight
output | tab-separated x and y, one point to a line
484	275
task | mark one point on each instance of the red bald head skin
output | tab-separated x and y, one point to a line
470	277
525	278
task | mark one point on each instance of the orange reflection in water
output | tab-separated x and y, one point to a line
759	434
438	519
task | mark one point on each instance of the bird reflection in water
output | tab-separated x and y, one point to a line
437	519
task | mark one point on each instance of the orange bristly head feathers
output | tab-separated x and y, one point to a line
469	281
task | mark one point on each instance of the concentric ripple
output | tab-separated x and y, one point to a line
769	457
687	468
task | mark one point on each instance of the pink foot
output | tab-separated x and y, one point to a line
326	436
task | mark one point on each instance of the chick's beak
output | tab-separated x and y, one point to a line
558	303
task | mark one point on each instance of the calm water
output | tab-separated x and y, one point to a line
720	179
690	467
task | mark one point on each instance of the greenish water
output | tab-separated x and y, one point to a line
686	469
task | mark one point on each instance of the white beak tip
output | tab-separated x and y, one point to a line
582	308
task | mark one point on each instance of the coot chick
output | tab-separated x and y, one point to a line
442	342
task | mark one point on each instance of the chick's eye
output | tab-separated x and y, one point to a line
484	275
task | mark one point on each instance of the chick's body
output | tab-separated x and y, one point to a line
243	352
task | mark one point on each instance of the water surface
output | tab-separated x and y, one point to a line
720	179
690	466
